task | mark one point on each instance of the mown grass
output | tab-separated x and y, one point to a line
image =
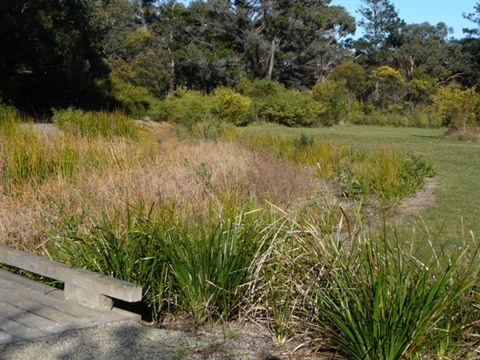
379	173
455	211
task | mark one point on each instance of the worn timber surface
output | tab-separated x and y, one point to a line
30	310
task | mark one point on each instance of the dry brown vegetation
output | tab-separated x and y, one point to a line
157	170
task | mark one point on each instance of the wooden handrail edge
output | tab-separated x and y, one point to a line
88	280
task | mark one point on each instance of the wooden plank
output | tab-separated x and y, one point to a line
5	338
53	298
11	309
19	331
86	280
30	310
50	307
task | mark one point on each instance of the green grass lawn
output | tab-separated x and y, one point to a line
456	210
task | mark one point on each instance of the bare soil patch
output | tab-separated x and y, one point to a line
414	204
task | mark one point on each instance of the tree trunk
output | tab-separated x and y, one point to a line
271	61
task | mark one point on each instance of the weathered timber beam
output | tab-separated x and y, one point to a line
81	284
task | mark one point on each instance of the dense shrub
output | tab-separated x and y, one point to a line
186	108
231	107
291	108
353	76
333	96
135	100
258	90
459	108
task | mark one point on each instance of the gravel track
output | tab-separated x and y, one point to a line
133	340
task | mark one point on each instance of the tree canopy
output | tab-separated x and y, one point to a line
107	53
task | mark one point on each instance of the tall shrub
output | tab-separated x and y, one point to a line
232	107
291	108
186	107
459	108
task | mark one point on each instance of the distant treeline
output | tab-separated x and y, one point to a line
131	54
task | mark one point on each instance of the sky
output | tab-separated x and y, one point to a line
419	11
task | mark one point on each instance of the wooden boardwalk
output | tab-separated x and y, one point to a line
29	309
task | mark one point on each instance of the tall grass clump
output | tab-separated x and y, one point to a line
198	266
372	298
124	248
94	124
379	173
7	112
28	157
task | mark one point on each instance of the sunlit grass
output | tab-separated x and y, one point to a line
455	211
217	231
377	173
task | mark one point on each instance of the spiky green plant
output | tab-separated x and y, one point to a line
372	299
196	265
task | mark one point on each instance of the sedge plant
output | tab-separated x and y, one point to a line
373	299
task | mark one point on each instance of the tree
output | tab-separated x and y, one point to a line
383	31
475	18
470	48
425	49
304	40
354	76
144	64
388	86
310	43
216	42
121	18
199	40
51	53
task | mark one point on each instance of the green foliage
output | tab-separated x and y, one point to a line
388	86
420	90
187	108
232	107
353	75
195	265
459	108
291	108
52	51
95	124
333	96
30	158
304	141
144	67
135	100
257	90
374	299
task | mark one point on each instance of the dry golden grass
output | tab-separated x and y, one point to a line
121	173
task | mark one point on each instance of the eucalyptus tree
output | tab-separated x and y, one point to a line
310	43
120	19
425	49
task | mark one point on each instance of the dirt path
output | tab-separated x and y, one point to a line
133	340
